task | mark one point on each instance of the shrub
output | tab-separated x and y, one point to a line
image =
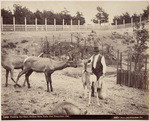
24	41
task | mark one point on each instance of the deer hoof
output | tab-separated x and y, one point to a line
6	85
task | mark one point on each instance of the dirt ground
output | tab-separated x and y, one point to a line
121	100
67	85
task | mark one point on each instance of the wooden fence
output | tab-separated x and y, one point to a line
54	27
132	74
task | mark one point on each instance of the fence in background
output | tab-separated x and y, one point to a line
36	27
132	74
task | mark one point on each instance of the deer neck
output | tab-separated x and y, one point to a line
60	65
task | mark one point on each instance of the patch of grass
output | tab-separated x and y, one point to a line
10	45
4	40
73	74
24	41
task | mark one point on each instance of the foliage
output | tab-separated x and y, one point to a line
124	16
7	16
102	16
21	12
24	41
127	17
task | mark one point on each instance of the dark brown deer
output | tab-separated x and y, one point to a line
44	65
66	109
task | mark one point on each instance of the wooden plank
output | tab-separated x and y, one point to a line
129	77
121	60
117	67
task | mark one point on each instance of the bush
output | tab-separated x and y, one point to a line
10	45
24	41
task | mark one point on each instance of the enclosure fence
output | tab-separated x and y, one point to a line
133	74
63	27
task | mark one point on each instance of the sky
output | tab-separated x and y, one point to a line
88	8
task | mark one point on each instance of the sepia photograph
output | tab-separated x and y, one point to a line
74	60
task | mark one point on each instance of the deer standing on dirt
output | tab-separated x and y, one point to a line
11	62
43	65
66	109
89	81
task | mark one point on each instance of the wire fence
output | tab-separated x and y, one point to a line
133	74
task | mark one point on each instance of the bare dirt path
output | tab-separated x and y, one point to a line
121	100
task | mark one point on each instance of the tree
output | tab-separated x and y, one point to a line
50	16
79	16
21	12
145	14
124	16
101	16
7	16
40	18
66	16
139	45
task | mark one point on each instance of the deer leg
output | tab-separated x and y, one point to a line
12	77
89	97
92	87
50	80
85	91
7	73
97	98
27	77
24	83
19	75
47	80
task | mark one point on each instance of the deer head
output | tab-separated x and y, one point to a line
71	62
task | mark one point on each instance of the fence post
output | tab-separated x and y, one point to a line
45	24
1	23
124	23
116	23
130	69
71	24
146	65
79	24
14	22
36	24
110	26
131	21
145	75
121	70
63	24
71	37
98	24
117	66
121	60
54	45
55	24
25	20
140	19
